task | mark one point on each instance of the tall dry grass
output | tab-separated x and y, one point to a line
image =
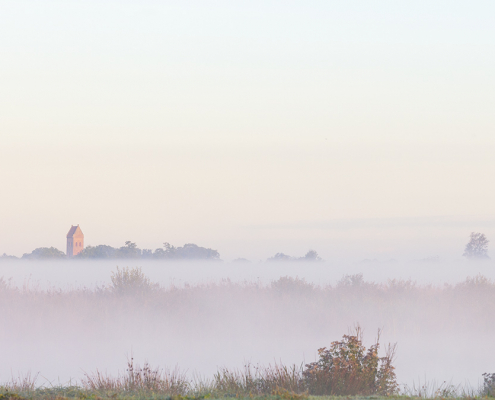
277	382
258	381
139	379
22	383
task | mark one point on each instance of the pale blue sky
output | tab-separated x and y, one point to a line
215	122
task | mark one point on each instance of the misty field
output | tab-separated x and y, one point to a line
444	333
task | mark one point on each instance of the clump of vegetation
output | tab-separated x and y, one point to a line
44	253
347	368
292	286
189	251
5	256
444	390
311	255
258	381
276	382
285	394
477	247
355	280
5	284
21	384
488	385
137	379
131	281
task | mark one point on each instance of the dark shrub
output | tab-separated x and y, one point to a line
489	385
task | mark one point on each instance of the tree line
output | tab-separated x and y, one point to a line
189	251
476	249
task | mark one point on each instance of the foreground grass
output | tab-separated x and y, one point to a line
204	391
73	393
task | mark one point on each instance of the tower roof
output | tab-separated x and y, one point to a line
75	231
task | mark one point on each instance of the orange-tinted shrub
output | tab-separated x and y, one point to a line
347	368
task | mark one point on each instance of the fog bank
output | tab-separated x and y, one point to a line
204	322
63	274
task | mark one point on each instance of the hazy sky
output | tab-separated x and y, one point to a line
358	128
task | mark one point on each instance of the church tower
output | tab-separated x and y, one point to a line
75	241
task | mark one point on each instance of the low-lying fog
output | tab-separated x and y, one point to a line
63	319
80	273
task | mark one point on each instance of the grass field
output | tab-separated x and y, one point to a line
275	382
77	393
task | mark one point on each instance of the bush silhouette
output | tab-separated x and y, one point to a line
348	369
477	247
488	385
131	281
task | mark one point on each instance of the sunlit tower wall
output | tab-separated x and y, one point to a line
75	241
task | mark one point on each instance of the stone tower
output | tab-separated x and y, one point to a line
75	241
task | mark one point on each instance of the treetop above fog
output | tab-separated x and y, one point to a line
477	247
189	251
311	255
43	253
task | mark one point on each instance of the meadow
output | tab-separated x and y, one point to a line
240	339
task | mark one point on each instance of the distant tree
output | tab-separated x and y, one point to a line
477	247
189	251
192	251
42	253
241	260
311	255
7	257
130	250
281	257
159	253
147	253
100	251
168	251
169	248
